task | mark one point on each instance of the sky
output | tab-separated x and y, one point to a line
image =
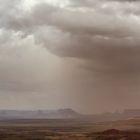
79	54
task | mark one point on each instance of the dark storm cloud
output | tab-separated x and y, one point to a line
102	34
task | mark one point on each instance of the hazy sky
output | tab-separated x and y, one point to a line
80	54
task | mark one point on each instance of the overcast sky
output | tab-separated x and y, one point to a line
80	54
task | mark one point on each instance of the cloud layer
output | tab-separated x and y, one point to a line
70	51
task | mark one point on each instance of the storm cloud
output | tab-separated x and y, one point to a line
68	51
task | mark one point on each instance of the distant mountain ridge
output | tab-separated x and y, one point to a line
39	114
126	114
68	114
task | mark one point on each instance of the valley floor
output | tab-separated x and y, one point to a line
65	130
